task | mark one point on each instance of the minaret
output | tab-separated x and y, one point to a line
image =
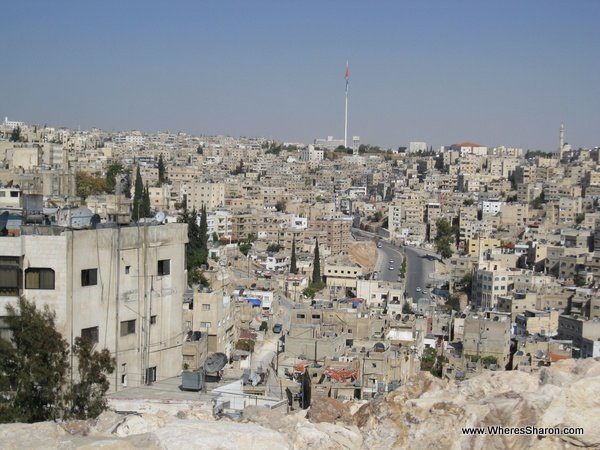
561	140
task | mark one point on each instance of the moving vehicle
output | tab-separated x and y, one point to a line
391	268
391	261
379	245
277	328
425	291
418	289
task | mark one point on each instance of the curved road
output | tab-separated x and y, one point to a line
420	264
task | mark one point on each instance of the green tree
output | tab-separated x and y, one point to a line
293	263
273	248
111	175
145	209
137	196
33	366
161	170
15	135
316	275
280	206
444	238
203	236
87	396
406	308
86	185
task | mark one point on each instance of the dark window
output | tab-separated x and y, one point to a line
90	334
316	316
153	320
127	327
89	277
127	269
164	267
10	275
39	278
150	375
300	316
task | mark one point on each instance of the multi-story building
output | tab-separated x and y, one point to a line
122	288
210	195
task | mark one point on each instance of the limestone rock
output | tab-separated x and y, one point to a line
327	409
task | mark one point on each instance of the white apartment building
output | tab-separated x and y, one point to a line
135	139
120	287
218	222
12	123
491	207
310	154
415	147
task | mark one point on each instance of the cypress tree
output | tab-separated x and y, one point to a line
161	170
203	256
293	264
146	202
316	276
137	196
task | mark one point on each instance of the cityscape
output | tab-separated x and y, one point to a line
193	288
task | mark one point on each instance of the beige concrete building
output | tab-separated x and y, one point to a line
212	195
120	287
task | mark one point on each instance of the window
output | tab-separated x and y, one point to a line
127	269
204	324
150	375
10	275
124	380
127	327
153	320
300	316
164	267
91	334
316	316
39	278
205	307
89	277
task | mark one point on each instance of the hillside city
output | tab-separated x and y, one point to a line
247	271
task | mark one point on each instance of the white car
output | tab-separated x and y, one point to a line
418	289
425	291
391	268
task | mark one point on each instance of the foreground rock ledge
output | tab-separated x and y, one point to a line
426	412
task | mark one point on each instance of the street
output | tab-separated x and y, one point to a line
385	254
418	271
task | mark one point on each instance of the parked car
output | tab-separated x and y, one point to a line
418	289
277	328
379	245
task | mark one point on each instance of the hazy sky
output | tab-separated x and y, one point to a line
502	72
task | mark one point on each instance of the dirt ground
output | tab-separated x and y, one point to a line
364	253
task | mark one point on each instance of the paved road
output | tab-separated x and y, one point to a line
385	254
418	269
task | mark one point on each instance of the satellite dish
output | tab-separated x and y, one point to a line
160	217
215	362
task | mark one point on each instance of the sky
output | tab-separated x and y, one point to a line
495	73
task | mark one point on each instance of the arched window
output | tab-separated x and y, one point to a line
39	278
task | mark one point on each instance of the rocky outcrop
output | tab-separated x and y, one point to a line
424	413
428	412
